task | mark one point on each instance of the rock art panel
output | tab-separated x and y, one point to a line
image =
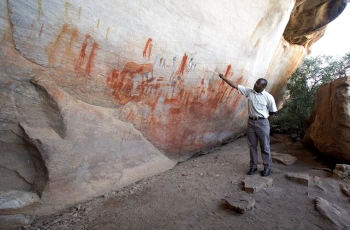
65	38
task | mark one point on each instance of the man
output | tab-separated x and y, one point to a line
261	105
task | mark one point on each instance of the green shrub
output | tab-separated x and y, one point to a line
302	88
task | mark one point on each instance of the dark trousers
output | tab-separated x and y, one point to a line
259	130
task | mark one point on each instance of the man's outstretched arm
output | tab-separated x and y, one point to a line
231	83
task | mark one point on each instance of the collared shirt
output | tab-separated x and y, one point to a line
259	104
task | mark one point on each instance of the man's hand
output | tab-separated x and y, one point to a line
272	115
231	83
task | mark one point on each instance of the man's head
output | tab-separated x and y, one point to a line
260	85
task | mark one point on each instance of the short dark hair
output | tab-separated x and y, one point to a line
262	81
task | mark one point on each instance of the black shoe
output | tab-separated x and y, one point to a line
252	171
265	172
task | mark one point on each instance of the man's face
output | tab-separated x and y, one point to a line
258	86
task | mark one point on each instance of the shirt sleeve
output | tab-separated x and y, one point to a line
272	104
243	90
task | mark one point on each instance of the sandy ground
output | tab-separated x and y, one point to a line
190	196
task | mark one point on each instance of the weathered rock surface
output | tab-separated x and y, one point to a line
95	96
17	208
283	158
333	212
14	202
104	152
329	123
341	171
303	27
14	221
240	203
301	178
254	184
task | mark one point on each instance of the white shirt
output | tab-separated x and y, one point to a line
259	104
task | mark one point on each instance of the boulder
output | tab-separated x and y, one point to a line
329	124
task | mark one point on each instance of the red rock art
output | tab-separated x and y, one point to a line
73	37
52	50
182	65
227	73
62	50
122	82
82	53
180	103
89	64
148	47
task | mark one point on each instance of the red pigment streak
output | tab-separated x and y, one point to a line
200	89
157	86
230	92
146	46
160	61
154	102
82	52
228	70
182	65
52	51
91	57
171	101
175	111
41	30
130	116
69	46
122	82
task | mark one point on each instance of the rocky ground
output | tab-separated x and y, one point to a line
212	191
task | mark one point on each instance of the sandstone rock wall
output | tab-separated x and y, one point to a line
329	123
309	20
96	95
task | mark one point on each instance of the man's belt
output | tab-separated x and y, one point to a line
256	118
